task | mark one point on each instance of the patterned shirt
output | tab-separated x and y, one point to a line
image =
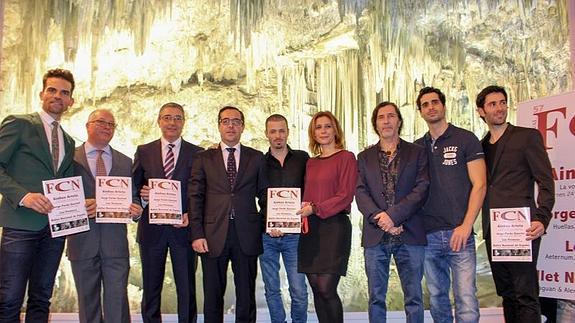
389	169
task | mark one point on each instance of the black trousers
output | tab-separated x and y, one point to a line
215	277
183	260
518	284
549	309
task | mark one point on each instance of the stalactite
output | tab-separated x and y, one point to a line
354	7
402	46
78	22
244	18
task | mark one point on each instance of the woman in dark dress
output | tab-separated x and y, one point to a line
331	177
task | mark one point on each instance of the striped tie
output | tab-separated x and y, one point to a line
55	146
100	166
169	164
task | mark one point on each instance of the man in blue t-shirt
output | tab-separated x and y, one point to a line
457	175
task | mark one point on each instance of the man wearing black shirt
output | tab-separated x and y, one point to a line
516	160
457	189
285	168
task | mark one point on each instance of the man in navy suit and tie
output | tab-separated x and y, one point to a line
169	157
33	148
392	187
225	222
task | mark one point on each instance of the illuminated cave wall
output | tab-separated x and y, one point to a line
293	57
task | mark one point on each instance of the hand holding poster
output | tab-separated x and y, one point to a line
113	199
165	201
282	205
508	234
69	213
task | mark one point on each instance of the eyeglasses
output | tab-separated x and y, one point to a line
169	118
104	123
235	122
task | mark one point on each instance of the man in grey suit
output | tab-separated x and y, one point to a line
101	256
33	148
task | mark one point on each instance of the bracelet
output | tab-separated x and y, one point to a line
313	208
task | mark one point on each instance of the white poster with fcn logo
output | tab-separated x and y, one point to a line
554	117
508	226
165	201
113	199
69	214
282	206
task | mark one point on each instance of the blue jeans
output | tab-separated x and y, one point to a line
409	262
441	265
270	265
28	257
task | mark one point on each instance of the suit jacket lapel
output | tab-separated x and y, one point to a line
157	157
39	126
218	159
373	163
115	162
500	147
244	162
180	163
80	157
404	152
68	147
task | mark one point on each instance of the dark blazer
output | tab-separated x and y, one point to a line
410	194
211	200
107	239
519	162
25	161
148	164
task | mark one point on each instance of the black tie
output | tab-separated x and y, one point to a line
231	167
232	173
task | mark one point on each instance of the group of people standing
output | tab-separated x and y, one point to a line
419	202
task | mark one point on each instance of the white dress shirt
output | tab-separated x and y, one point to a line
92	157
176	149
225	154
